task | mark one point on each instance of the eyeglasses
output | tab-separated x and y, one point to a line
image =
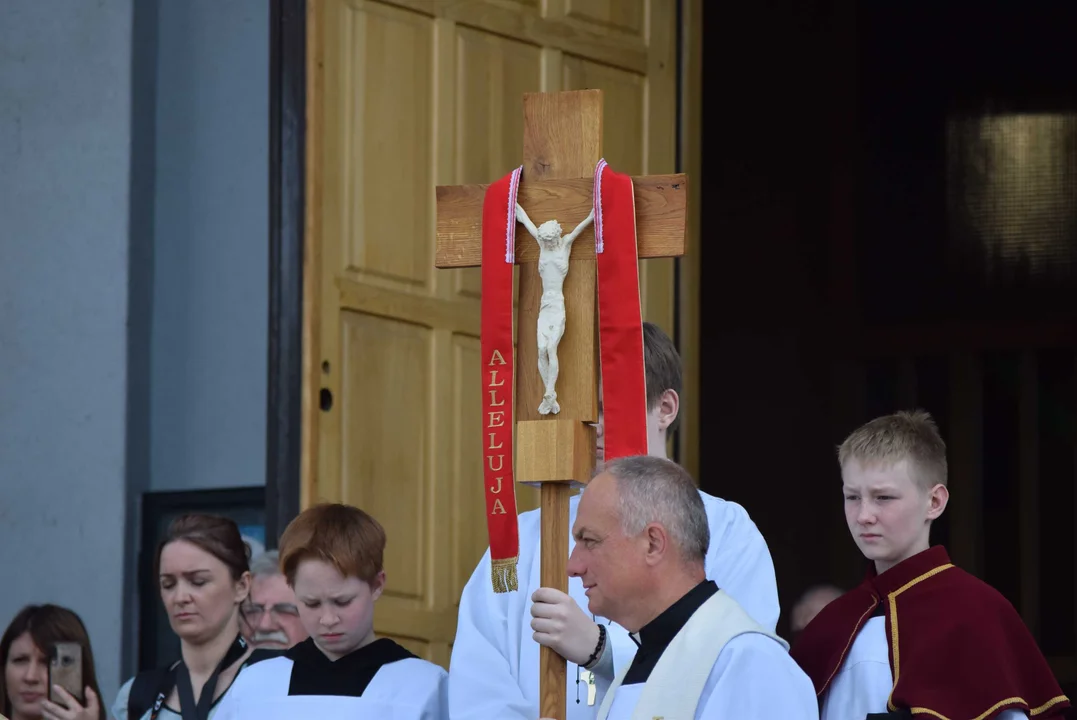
254	613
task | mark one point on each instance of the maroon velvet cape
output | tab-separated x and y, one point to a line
958	649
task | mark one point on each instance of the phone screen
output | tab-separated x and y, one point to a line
65	670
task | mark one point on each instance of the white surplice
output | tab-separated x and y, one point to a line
325	707
409	689
863	683
494	668
720	664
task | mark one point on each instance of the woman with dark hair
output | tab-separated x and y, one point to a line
203	575
25	649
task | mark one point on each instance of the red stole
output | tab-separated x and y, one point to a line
620	347
620	319
958	649
498	366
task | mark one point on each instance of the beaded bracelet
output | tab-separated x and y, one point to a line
593	660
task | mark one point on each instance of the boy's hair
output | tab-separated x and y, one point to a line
343	536
905	435
662	367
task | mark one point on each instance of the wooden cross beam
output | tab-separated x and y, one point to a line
660	216
562	146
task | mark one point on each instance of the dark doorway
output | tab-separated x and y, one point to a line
893	191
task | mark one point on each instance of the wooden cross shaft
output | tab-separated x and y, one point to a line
562	146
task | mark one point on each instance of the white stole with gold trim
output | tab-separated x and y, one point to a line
675	685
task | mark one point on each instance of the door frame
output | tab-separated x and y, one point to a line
287	208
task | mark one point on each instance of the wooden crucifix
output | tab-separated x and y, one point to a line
562	146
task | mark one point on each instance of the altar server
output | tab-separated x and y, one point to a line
641	539
494	670
919	637
331	556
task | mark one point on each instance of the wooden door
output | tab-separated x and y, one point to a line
403	96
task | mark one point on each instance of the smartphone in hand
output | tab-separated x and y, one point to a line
65	670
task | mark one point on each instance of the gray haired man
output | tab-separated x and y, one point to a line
270	615
641	539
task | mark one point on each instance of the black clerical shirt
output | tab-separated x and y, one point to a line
315	674
655	636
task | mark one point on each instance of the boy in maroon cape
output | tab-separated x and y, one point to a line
919	637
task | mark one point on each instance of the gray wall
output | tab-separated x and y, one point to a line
133	285
65	94
210	292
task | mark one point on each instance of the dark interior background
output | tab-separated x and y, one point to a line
890	194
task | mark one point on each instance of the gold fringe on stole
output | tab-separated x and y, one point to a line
504	575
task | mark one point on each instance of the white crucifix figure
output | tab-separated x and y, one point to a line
554	250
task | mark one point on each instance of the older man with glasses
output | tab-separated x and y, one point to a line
270	615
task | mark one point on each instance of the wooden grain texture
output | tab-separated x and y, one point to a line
661	202
560	450
552	669
548	28
562	141
562	134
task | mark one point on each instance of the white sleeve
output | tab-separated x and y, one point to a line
436	706
481	683
1012	714
604	671
755	679
739	562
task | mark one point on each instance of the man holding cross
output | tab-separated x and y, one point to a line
494	670
641	541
